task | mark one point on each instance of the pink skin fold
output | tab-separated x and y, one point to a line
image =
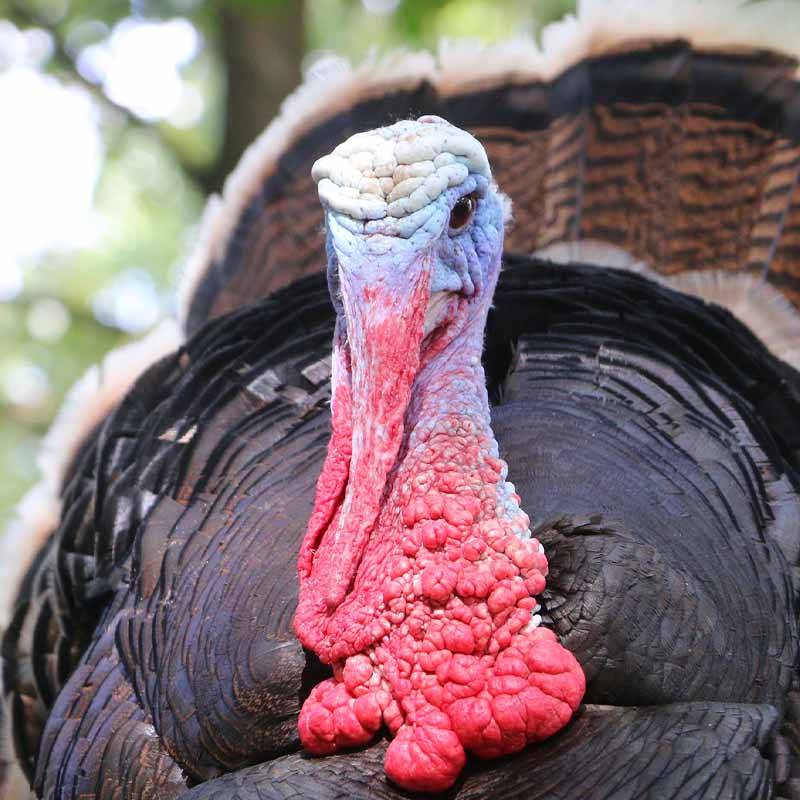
417	583
371	391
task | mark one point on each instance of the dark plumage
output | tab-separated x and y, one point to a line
598	379
653	439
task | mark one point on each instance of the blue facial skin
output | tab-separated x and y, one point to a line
390	253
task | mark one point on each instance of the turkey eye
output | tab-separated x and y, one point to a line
462	212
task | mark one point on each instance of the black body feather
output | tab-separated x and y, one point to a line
652	438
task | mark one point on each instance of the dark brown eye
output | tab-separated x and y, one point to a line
462	212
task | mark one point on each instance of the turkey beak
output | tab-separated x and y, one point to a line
384	313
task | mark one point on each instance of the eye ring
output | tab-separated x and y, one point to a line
462	212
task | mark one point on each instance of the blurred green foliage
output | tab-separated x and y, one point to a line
152	183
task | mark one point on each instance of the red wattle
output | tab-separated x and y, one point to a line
369	406
416	582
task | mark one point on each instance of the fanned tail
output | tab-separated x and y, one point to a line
660	137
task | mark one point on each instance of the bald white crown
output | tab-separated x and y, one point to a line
398	170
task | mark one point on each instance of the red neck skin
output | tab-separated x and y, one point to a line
416	580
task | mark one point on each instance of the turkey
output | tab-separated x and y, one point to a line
474	468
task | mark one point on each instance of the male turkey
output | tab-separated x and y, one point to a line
653	441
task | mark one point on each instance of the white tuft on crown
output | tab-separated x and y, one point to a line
398	170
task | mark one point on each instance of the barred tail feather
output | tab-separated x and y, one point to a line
669	132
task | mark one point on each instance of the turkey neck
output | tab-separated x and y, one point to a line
412	454
450	452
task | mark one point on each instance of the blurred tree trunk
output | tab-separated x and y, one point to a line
262	51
